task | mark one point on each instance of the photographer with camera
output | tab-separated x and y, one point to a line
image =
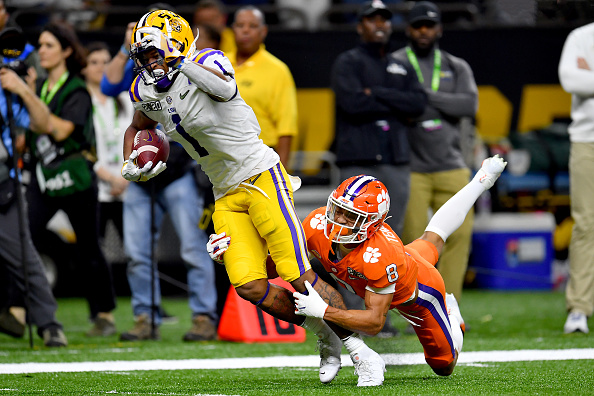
19	256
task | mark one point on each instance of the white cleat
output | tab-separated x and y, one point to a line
330	348
454	309
370	369
490	171
576	321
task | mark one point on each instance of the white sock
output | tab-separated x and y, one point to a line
452	213
355	345
317	326
457	335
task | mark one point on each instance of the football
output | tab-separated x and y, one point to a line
152	145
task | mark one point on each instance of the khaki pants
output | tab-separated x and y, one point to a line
432	190
580	288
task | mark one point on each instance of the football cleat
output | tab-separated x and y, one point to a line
330	364
370	369
576	321
490	171
454	309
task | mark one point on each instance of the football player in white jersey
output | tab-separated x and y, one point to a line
193	95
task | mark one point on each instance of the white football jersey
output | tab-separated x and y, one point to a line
222	136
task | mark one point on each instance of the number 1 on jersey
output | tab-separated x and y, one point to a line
180	129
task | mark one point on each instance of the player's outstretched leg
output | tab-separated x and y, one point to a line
451	215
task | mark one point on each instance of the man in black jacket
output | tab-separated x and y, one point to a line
376	97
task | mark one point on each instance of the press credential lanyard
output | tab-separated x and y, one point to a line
47	98
412	58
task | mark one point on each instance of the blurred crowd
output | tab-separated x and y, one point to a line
310	14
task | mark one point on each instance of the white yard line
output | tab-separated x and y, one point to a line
288	361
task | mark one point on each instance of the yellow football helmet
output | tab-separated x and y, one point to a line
168	33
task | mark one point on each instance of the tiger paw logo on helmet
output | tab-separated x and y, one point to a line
383	200
371	255
317	222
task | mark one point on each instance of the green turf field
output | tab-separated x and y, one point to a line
498	321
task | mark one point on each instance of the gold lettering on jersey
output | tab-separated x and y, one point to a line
152	106
389	235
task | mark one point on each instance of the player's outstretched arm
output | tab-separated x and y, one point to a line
369	321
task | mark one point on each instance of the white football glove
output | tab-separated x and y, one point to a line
131	171
310	305
217	245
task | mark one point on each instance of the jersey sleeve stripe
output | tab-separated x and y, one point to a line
290	215
207	54
134	93
433	300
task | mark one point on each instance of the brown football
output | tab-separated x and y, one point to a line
152	145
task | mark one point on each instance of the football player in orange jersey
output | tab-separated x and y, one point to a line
362	253
365	256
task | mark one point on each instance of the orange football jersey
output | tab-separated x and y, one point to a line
377	262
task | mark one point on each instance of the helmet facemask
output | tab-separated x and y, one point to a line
356	210
167	33
355	229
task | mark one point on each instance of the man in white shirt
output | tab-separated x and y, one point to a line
576	73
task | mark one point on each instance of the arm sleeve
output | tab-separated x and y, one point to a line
464	101
20	114
210	82
573	79
348	90
115	89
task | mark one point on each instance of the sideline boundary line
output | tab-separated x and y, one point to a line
288	361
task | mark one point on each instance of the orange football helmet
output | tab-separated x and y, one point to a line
356	209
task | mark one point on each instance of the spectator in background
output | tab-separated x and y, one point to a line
576	73
63	177
209	38
119	72
437	162
265	82
178	195
376	96
110	115
213	13
42	304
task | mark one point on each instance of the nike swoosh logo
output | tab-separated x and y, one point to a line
183	96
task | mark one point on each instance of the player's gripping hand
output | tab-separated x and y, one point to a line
131	172
217	245
310	305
